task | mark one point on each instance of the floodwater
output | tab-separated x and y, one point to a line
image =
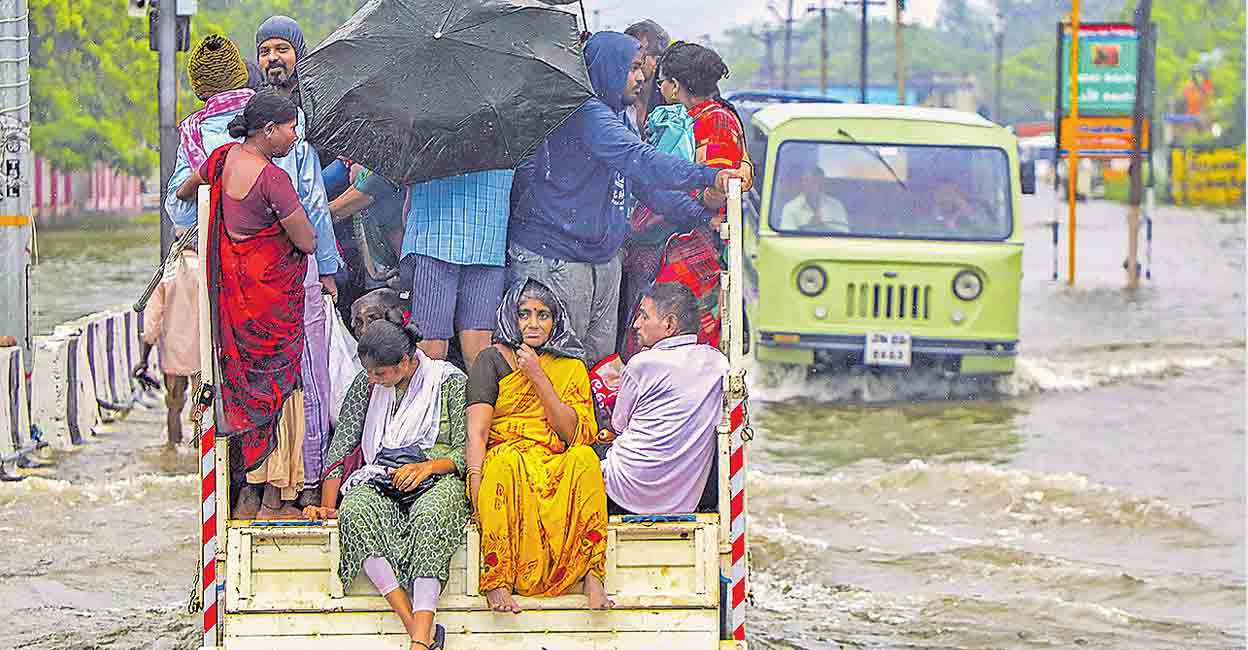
1094	499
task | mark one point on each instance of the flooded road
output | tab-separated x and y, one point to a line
1095	499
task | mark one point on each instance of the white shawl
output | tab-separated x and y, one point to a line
416	422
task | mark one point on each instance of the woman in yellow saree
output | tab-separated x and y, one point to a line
532	475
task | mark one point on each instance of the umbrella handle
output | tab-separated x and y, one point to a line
584	21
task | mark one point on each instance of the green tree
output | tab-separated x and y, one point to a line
1186	33
94	80
92	85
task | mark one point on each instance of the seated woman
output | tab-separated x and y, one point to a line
532	474
401	429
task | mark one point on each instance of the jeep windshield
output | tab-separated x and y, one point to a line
892	191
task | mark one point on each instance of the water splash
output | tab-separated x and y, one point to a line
59	494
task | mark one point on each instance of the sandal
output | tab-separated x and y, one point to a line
439	639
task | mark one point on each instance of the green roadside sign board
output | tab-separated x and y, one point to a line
1109	54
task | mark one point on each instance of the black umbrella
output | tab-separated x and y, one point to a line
423	89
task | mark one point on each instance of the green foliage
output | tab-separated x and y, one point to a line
1186	31
93	85
928	52
94	80
961	44
239	19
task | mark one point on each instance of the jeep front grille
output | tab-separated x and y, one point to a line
888	301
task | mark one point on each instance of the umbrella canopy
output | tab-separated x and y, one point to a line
424	89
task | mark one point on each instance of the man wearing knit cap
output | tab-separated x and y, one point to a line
279	48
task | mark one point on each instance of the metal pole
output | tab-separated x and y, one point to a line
1072	173
862	56
166	40
999	38
788	43
823	47
1057	149
769	40
1143	12
16	220
899	41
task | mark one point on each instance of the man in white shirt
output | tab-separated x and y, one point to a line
669	403
814	210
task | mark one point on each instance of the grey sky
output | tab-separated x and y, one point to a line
690	19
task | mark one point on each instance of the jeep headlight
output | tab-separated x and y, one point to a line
811	281
967	285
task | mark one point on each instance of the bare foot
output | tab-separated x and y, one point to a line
500	600
248	505
597	593
286	511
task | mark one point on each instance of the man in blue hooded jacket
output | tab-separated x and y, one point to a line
570	199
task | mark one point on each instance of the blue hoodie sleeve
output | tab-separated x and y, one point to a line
184	214
680	207
612	143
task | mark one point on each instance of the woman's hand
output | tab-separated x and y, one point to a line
407	477
527	362
606	436
319	513
186	191
743	172
474	488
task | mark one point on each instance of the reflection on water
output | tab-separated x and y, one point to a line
89	267
818	438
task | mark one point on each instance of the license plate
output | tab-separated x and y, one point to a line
888	349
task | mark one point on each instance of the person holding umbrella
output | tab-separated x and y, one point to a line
570	199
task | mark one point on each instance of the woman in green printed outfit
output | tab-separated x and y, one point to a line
397	458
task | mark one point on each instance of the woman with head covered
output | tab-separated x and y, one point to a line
532	474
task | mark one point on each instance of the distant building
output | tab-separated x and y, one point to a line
875	94
947	91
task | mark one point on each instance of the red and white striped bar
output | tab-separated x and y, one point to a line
736	492
207	446
208	519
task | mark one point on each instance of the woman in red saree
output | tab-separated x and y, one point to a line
659	251
259	239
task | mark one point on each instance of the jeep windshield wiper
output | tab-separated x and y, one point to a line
877	157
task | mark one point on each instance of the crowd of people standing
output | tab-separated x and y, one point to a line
599	252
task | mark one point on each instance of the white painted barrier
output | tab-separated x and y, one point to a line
65	406
111	341
14	406
121	351
83	375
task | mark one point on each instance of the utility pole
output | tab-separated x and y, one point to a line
998	37
788	43
823	44
899	40
1140	112
16	220
166	41
863	46
1072	160
767	38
